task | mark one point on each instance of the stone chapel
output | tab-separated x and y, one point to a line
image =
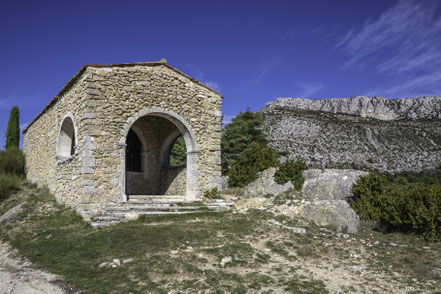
109	132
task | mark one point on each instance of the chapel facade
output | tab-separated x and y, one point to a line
109	132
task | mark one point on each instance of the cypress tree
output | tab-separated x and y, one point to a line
13	130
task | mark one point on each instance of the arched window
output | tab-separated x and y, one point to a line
66	142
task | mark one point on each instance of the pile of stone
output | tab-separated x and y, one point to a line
323	198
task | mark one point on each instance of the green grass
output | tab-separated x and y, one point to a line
8	184
162	247
187	253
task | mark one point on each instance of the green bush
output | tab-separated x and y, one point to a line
408	207
252	160
11	161
212	194
8	183
292	171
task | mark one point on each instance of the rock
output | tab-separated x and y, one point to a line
334	213
374	107
12	212
226	260
329	184
126	260
225	182
361	132
249	203
116	261
265	185
297	230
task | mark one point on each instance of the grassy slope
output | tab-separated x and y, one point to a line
185	253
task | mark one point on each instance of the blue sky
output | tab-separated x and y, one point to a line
250	51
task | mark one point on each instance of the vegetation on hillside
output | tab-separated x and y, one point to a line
11	159
254	159
245	153
409	204
291	170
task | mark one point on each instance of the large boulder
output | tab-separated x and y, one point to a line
251	203
329	184
333	213
265	185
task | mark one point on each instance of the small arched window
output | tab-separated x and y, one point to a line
66	142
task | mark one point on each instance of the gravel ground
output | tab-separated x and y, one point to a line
20	276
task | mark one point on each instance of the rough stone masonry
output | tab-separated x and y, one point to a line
109	132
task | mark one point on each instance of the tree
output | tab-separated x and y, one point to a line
178	155
13	130
239	135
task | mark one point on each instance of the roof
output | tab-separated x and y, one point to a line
66	87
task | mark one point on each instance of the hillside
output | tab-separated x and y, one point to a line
256	251
362	132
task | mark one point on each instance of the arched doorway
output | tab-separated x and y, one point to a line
147	170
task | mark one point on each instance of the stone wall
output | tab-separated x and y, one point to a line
105	102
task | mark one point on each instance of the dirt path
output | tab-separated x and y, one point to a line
20	276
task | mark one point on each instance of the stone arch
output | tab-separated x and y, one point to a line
67	138
184	129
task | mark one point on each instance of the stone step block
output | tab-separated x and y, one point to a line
118	208
221	203
155	208
103	224
105	218
165	198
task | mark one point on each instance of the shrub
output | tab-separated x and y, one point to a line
292	171
408	207
252	160
11	161
8	183
212	194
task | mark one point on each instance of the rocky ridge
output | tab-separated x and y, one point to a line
363	106
370	133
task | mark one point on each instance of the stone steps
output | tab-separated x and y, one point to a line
143	205
156	198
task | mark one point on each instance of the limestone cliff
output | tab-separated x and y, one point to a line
362	132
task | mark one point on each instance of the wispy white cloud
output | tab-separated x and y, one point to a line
23	100
308	89
404	43
424	85
4	102
213	85
310	32
267	66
